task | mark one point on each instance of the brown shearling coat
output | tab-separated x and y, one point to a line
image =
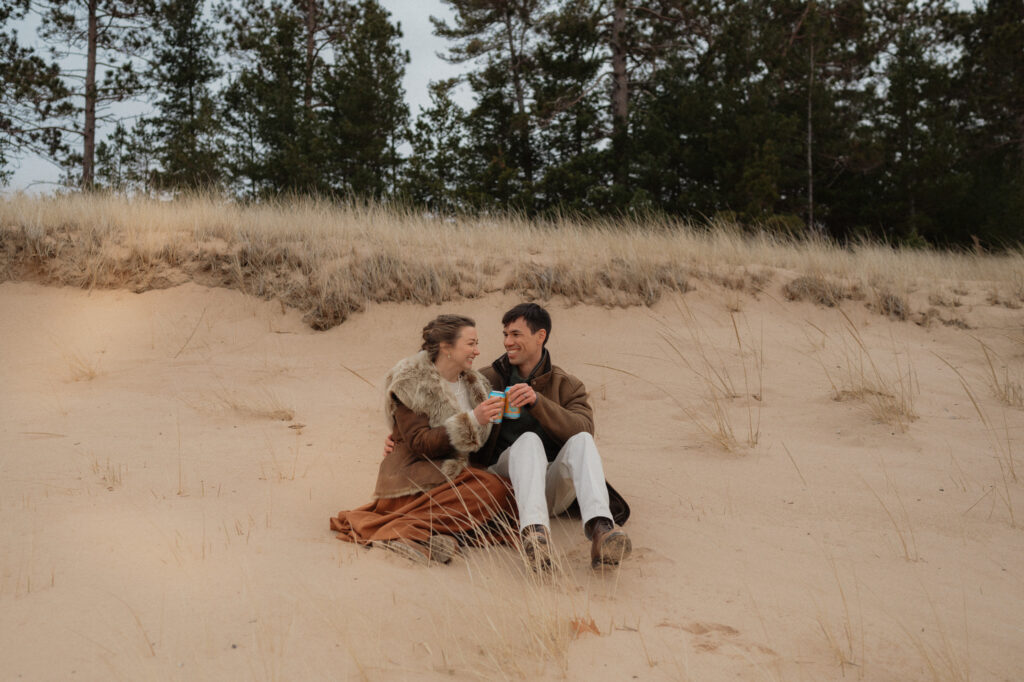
433	436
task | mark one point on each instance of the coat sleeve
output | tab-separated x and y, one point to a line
569	414
423	441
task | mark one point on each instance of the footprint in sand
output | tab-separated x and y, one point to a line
648	555
710	636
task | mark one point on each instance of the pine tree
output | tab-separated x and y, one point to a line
991	80
364	111
126	161
434	174
570	110
108	31
33	98
822	68
270	106
918	182
499	37
186	123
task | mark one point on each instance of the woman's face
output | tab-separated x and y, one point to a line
464	350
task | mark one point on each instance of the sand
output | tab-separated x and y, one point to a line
169	461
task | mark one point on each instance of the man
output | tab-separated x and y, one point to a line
549	452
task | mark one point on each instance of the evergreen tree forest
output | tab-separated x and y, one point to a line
898	120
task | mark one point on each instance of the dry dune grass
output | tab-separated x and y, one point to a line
330	260
888	387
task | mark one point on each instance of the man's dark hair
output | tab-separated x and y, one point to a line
534	316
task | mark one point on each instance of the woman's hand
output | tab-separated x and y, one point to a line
489	409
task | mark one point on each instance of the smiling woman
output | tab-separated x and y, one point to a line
428	499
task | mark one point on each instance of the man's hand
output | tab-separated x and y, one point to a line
489	409
521	395
389	445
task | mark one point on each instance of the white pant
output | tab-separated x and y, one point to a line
542	488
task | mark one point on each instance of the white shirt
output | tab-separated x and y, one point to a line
461	393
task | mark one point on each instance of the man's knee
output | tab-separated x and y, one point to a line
582	445
528	445
582	438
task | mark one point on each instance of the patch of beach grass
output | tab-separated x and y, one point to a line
844	632
329	259
888	390
1002	447
1006	383
261	404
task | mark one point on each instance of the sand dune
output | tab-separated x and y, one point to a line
169	460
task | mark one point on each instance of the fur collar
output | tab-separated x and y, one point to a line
416	382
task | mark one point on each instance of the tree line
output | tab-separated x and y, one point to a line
893	119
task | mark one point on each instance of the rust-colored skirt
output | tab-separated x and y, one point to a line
475	506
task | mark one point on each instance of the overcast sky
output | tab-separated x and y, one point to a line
38	176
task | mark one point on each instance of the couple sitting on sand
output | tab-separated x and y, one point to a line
451	476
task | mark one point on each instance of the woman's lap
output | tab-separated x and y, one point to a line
462	506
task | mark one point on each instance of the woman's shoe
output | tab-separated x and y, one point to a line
442	548
433	551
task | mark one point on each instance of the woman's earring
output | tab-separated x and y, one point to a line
449	356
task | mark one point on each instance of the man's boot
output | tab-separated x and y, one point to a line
536	547
609	545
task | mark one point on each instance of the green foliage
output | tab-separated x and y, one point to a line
127	159
316	105
33	98
434	175
186	125
364	110
111	34
499	37
900	120
269	116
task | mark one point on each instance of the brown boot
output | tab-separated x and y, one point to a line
609	545
536	547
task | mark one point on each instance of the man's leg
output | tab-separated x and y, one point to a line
525	464
577	474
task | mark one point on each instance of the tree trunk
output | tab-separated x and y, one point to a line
1020	136
89	132
310	51
620	92
810	144
515	63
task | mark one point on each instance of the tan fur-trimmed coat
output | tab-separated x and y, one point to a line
433	436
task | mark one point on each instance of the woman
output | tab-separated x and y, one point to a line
427	495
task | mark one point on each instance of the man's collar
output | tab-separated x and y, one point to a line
503	367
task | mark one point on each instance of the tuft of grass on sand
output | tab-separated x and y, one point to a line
1008	385
82	368
819	289
699	354
262	405
944	660
889	391
844	634
1002	448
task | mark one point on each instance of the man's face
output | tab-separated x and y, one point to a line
524	347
